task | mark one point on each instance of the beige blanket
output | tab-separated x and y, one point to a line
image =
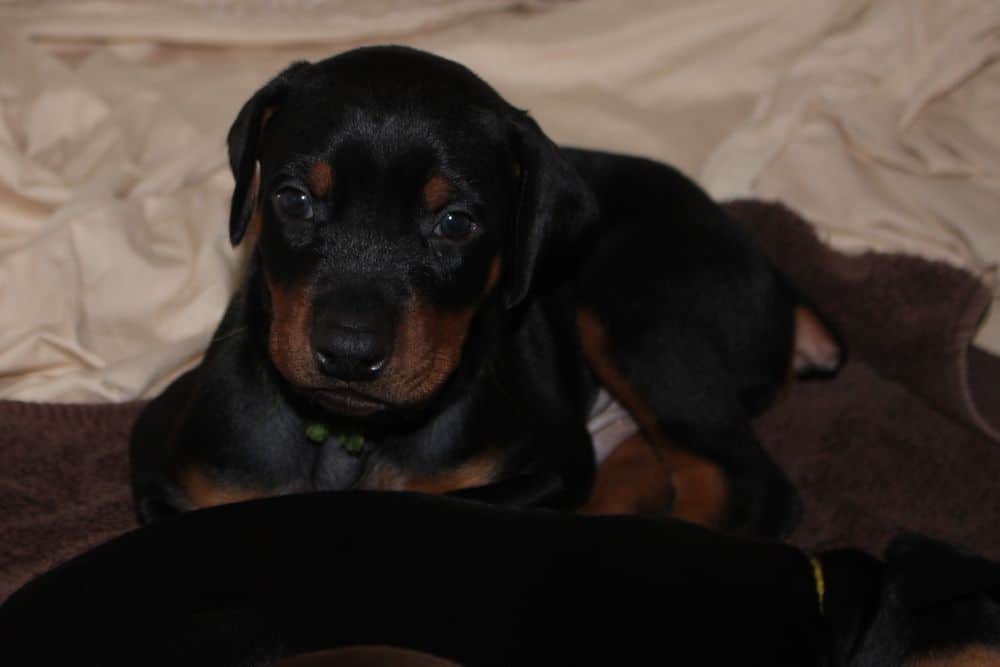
875	118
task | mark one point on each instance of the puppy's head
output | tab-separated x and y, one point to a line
396	196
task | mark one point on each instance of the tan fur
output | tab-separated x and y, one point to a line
265	116
698	487
632	480
973	656
428	347
365	656
436	192
320	179
478	471
202	490
288	342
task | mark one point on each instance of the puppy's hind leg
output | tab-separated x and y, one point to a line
715	470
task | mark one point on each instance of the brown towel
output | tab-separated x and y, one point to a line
894	443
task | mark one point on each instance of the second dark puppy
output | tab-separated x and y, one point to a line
437	295
261	581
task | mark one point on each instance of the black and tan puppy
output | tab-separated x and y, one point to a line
436	296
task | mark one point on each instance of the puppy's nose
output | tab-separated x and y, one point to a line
350	354
353	331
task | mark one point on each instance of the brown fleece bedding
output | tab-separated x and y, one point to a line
896	442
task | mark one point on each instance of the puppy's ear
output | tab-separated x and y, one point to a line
554	204
243	138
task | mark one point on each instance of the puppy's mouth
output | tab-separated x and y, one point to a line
348	402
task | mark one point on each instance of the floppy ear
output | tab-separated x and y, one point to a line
243	138
554	204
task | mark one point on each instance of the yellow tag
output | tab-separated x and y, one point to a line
819	580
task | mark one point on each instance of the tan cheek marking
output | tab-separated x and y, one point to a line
288	342
437	190
320	179
699	486
429	344
202	490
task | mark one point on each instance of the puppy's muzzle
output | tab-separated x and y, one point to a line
352	339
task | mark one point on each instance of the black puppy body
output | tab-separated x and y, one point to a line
257	582
436	294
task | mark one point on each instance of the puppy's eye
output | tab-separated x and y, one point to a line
455	226
293	204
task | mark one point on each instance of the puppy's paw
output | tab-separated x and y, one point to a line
817	351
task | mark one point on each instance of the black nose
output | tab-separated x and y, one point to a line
352	334
351	354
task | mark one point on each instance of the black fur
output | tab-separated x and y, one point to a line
249	584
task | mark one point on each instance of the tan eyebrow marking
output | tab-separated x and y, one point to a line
437	189
320	179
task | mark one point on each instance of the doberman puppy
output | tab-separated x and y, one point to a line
437	295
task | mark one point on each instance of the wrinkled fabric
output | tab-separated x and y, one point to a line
885	135
875	118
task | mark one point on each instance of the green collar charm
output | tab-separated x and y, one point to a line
320	433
